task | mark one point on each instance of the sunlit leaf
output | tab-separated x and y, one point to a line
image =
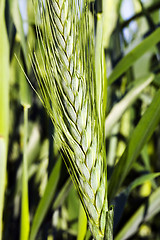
140	136
132	56
144	213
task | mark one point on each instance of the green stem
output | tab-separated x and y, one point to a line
25	226
4	107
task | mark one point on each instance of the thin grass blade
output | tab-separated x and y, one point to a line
144	213
62	194
118	110
135	54
121	200
46	199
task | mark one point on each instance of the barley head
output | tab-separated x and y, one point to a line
67	82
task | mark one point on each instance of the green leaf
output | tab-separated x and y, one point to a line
88	235
73	209
141	180
46	199
82	224
118	110
25	91
140	136
109	224
4	74
121	199
62	194
144	213
4	106
132	56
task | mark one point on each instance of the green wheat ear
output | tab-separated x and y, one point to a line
67	80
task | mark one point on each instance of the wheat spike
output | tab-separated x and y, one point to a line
66	77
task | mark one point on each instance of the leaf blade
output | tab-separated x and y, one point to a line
132	225
141	134
46	199
4	107
127	101
132	56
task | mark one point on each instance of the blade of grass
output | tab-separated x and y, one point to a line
62	195
82	223
25	91
112	146
144	213
46	199
121	199
140	136
118	110
4	107
141	180
72	202
109	225
132	56
88	235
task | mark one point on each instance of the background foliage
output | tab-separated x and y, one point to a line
37	197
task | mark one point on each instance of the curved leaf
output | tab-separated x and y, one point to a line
144	213
121	199
140	136
132	56
118	110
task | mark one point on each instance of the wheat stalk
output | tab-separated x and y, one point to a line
66	77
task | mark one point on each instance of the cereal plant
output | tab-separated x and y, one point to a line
79	119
